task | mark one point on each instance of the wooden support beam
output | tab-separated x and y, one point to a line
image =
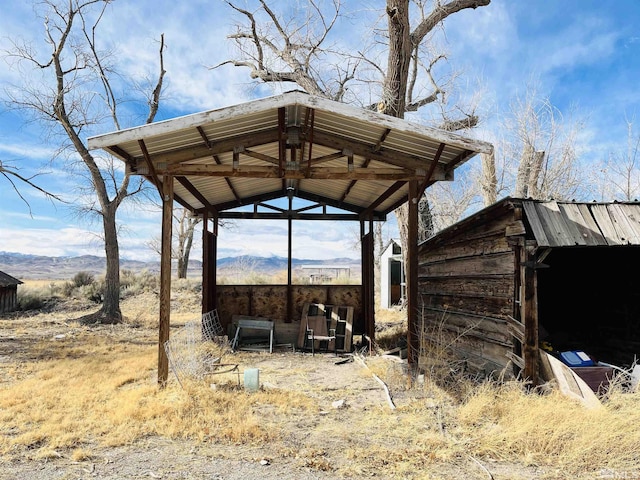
152	170
413	340
427	177
165	279
399	159
529	315
390	191
261	156
308	131
368	294
255	215
205	262
383	137
282	141
353	182
190	153
196	193
370	298
217	160
289	315
317	173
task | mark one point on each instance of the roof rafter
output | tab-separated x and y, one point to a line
217	160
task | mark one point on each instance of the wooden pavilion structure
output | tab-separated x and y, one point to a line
338	157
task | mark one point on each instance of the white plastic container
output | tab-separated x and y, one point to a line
252	379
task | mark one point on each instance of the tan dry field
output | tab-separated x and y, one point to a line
83	402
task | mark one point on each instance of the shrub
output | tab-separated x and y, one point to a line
81	279
67	289
31	299
93	292
134	284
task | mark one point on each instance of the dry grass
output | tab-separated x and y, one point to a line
502	421
71	390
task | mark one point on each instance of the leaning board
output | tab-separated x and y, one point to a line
569	383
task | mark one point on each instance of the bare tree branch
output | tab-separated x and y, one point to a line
9	172
440	13
77	69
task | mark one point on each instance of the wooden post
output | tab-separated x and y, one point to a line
529	315
213	266
165	278
205	263
370	299
366	259
209	263
413	340
289	314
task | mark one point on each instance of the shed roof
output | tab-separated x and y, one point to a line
566	224
562	224
290	145
7	280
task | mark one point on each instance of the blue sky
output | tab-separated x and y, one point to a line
583	54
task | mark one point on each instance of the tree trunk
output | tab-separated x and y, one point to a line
395	82
110	312
183	257
524	172
534	175
489	181
186	228
425	220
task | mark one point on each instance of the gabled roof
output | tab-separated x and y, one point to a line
393	242
7	280
293	144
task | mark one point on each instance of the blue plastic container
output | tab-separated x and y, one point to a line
576	358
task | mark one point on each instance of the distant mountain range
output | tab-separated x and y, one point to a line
35	267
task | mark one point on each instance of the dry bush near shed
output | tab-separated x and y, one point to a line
502	421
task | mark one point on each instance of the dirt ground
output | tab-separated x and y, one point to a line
344	388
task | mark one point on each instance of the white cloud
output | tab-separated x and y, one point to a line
69	241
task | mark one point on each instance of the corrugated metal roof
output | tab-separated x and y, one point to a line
324	151
565	224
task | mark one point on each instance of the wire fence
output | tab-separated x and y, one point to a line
196	350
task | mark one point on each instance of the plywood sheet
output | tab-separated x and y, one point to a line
568	382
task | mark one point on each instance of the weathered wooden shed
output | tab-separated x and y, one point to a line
522	271
348	163
8	292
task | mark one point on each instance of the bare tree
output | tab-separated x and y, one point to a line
538	156
184	227
278	49
77	91
620	172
